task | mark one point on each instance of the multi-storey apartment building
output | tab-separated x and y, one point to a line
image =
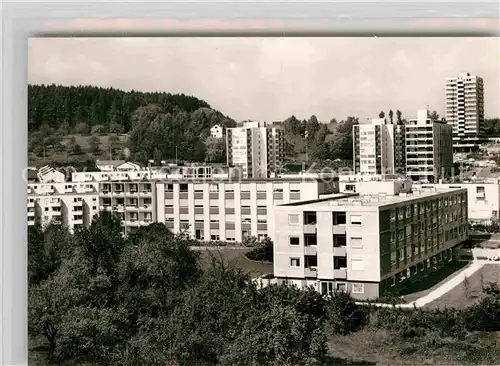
378	147
70	204
429	148
132	201
256	147
465	110
368	243
483	198
230	210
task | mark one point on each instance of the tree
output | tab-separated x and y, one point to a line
46	250
98	129
82	128
381	114
398	116
116	128
344	316
94	144
215	150
434	115
391	115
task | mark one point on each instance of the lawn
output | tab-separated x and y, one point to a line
83	141
411	292
237	258
462	295
382	347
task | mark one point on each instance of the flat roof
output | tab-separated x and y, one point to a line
372	200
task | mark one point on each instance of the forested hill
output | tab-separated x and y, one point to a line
64	107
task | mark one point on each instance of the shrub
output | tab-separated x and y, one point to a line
263	252
343	315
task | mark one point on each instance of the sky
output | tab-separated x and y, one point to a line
272	78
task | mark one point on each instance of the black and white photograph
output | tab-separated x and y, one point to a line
251	201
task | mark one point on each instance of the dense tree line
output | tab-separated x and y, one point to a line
321	141
492	127
67	106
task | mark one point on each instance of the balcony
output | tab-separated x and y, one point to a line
145	208
106	193
78	222
145	194
31	213
311	272
340	251
339	229
31	204
310	229
340	273
480	195
310	250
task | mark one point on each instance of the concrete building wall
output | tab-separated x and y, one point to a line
483	199
368	245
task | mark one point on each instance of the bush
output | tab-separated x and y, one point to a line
98	129
263	252
343	315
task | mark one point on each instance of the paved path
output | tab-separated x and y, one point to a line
441	290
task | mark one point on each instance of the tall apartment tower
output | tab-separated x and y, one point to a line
429	148
378	147
465	110
257	148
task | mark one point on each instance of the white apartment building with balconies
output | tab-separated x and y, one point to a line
465	110
379	147
257	148
369	243
133	202
70	204
429	148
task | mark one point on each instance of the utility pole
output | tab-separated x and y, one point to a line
305	137
44	153
175	154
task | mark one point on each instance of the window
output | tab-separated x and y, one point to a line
357	243
339	218
294	262
357	264
358	288
479	189
294	240
215	237
356	220
293	219
341	287
327	288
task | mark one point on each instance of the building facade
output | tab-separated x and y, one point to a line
70	204
257	148
208	208
367	244
465	110
230	210
483	199
378	147
429	148
217	131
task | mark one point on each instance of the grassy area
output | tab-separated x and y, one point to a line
381	347
237	258
432	280
83	141
462	295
